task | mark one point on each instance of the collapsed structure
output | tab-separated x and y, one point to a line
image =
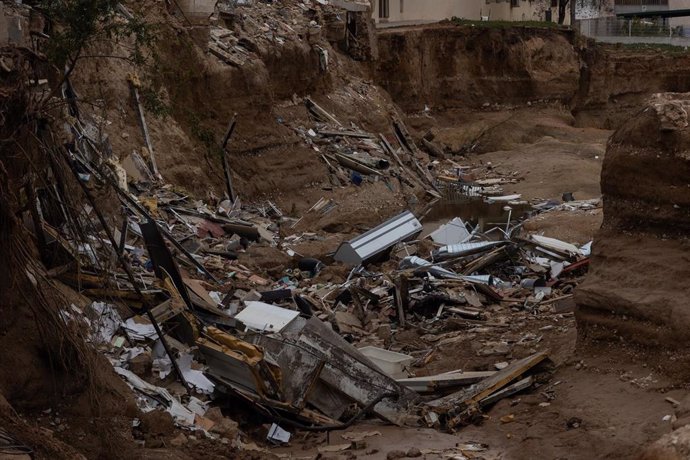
140	237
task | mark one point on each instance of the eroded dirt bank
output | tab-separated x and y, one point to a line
450	66
640	261
446	66
500	105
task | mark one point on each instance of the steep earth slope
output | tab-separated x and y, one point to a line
197	94
451	66
447	66
637	287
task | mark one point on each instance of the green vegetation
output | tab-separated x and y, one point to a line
204	135
153	103
77	24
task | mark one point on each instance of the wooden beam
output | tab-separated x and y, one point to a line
481	390
134	82
226	164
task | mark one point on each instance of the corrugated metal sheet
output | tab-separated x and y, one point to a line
378	239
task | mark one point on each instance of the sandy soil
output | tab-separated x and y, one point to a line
540	145
602	401
618	399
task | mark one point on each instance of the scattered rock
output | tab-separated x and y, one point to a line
573	422
157	423
141	364
672	446
414	452
395	454
494	348
179	440
223	426
384	332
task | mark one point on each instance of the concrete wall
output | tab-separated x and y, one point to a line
679	5
672	5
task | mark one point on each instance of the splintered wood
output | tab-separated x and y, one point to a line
460	406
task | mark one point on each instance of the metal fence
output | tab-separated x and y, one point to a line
614	27
614	30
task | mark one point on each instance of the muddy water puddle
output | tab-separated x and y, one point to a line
472	210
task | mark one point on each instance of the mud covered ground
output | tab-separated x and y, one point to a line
603	400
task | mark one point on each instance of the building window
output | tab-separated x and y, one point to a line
383	8
402	6
514	3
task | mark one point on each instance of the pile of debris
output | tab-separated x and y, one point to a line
365	155
244	30
187	325
286	346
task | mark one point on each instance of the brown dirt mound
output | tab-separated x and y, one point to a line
636	285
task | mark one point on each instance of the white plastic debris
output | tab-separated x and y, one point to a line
106	324
180	414
277	434
138	330
194	377
453	232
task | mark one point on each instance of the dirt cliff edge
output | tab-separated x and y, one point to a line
637	288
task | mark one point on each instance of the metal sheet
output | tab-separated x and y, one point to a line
304	367
453	232
465	249
265	317
505	198
161	258
350	372
378	239
439	272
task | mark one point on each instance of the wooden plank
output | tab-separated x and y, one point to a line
486	387
144	127
485	260
358	134
356	165
319	112
433	149
226	163
507	391
401	298
433	383
464	312
166	310
126	197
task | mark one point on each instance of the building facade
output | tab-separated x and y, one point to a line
650	6
394	11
